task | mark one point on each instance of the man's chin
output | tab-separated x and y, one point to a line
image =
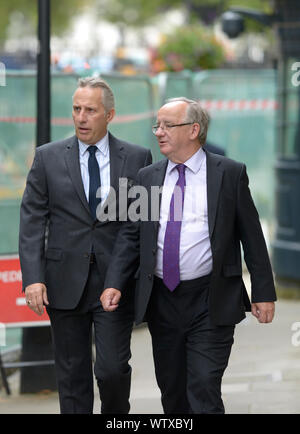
164	150
85	138
168	155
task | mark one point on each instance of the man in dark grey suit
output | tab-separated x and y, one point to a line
190	288
60	206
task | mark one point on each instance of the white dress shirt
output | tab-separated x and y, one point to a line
195	256
102	156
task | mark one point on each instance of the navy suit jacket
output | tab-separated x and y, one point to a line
232	219
57	230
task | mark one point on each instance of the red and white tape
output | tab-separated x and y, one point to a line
240	105
68	121
211	105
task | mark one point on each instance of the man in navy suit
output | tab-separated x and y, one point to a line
67	273
189	268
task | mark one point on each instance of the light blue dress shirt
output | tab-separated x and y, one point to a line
102	156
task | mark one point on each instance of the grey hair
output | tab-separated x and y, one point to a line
195	113
108	99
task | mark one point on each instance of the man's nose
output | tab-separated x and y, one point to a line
82	116
160	131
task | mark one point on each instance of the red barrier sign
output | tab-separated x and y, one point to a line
13	308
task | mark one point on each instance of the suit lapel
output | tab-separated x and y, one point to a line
117	159
158	181
214	180
73	164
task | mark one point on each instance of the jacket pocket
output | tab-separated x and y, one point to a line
54	254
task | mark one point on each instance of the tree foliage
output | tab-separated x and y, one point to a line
190	47
141	12
62	12
128	12
133	12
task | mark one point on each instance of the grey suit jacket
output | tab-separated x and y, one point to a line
54	203
232	219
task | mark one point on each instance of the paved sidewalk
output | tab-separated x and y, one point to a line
263	375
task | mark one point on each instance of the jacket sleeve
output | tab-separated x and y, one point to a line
125	257
33	222
254	245
148	159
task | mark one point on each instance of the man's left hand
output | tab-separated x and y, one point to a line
110	298
264	311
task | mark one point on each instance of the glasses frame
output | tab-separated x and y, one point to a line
167	126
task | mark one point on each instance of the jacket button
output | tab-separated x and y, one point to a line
150	276
154	251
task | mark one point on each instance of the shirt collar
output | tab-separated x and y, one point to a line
102	145
194	163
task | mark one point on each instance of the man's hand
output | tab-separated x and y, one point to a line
110	298
264	312
36	297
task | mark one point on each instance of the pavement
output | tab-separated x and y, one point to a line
263	375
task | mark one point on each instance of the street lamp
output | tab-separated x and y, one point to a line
37	351
233	20
286	243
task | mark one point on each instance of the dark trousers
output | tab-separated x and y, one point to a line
72	338
190	353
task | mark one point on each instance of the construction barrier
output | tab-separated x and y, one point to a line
242	105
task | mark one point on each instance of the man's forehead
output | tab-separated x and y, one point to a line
88	99
88	92
174	108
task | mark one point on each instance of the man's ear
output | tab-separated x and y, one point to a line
195	131
110	115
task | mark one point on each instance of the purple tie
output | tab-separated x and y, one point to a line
171	272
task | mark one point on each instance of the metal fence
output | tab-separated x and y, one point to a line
242	105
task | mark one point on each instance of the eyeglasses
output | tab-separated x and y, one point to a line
168	126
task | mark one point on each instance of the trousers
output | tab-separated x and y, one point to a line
190	353
73	332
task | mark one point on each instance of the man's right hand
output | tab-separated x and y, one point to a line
110	299
36	297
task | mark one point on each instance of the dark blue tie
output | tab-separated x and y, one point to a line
94	173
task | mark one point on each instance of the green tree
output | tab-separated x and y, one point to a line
140	12
62	12
133	12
